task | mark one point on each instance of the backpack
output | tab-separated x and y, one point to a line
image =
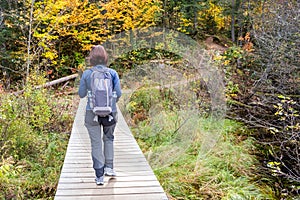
101	93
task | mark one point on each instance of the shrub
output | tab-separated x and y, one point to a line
33	142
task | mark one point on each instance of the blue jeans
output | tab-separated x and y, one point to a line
102	155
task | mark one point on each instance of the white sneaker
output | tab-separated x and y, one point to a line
109	171
100	180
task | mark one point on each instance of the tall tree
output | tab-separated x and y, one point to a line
29	39
273	102
13	37
196	18
55	35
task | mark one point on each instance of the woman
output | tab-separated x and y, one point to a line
102	159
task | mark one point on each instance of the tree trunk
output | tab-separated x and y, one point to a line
29	41
51	83
232	20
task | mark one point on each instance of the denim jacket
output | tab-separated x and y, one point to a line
85	85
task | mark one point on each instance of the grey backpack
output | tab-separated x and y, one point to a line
101	94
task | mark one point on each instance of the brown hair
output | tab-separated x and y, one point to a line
98	56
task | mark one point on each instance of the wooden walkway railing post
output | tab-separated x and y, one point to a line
135	178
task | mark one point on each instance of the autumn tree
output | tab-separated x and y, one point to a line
57	34
271	104
196	18
200	18
277	36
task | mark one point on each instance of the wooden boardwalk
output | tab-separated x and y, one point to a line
135	178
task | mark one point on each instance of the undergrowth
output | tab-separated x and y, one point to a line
194	155
205	159
34	133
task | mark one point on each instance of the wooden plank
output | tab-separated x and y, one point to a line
157	196
111	184
130	158
89	174
135	178
118	155
116	164
127	170
118	151
123	160
108	191
117	146
130	150
117	178
117	140
124	167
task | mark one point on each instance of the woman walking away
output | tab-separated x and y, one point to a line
102	86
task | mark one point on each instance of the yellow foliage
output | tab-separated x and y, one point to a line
184	23
130	14
215	13
86	22
50	55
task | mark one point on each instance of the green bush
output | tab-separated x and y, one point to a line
141	101
33	143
